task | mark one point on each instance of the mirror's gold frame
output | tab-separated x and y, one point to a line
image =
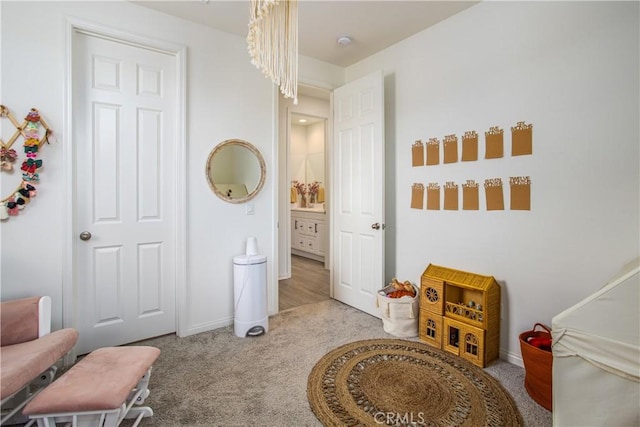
248	146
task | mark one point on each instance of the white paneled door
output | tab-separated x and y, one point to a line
358	182
124	133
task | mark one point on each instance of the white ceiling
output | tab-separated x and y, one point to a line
295	119
373	25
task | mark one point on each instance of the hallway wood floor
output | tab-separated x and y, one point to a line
309	283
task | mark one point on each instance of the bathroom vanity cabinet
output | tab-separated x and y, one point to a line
308	233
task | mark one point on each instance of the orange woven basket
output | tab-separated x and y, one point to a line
537	366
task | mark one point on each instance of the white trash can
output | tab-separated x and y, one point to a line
250	295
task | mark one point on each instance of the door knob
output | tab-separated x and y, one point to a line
85	235
376	226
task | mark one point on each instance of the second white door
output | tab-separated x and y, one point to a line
358	183
124	132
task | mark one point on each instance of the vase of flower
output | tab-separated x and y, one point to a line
313	191
301	189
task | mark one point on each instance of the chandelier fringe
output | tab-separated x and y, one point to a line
273	42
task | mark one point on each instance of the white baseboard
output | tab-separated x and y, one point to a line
512	358
307	255
208	326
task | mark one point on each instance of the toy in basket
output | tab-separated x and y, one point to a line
399	306
535	346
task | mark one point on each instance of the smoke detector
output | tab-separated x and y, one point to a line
344	40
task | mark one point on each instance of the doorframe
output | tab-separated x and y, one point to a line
283	193
69	279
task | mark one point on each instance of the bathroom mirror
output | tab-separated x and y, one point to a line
307	148
235	171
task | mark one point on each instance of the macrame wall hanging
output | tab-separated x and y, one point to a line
273	42
33	138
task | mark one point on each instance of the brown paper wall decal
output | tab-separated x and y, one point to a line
494	195
433	196
520	193
451	196
417	196
494	143
470	196
417	154
450	149
521	139
470	146
433	152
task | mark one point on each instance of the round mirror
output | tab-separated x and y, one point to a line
235	171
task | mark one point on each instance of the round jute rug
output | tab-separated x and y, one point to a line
405	383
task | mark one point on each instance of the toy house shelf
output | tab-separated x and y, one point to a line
460	313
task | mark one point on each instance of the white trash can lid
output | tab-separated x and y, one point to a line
249	259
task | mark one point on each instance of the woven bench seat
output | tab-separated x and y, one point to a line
107	382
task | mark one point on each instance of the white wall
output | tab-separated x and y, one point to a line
315	73
227	97
298	153
306	152
316	153
570	69
315	136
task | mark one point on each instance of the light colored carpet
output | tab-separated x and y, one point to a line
216	379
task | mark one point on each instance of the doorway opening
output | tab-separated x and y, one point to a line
304	218
308	284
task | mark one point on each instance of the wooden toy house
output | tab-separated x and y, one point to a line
460	313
